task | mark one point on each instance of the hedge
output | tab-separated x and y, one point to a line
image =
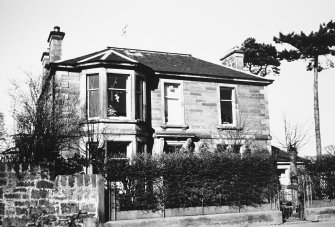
186	180
322	176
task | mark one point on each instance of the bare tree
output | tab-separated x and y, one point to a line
53	127
330	149
47	123
233	138
4	143
297	135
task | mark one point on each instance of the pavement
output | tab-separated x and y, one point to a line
323	223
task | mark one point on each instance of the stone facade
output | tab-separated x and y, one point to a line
202	111
200	95
31	194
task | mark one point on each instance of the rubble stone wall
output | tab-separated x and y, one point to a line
28	195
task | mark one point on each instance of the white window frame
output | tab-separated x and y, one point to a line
130	92
130	147
87	95
128	95
234	104
182	106
143	114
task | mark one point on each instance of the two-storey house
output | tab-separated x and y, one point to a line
150	101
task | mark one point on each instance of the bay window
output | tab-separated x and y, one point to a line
139	98
116	95
93	95
117	149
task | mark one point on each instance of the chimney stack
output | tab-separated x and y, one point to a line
54	51
234	58
55	40
45	59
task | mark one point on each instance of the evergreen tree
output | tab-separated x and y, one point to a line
310	47
260	58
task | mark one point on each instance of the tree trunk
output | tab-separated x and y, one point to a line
293	154
316	109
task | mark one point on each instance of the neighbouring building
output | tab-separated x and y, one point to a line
283	161
150	101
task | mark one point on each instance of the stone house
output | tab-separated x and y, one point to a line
150	101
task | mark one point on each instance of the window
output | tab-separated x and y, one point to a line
172	148
116	95
172	103
140	148
139	98
93	95
227	104
95	156
116	149
99	156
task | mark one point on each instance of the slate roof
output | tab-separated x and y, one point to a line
163	62
282	156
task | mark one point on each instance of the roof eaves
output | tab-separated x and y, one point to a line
211	76
248	73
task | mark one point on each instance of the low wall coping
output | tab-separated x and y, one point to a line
232	219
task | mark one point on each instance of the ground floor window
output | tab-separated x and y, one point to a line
99	155
140	148
172	147
117	149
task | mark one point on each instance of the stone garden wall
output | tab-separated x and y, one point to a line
30	196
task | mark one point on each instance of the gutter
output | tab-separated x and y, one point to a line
214	77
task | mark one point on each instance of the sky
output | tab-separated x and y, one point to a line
205	29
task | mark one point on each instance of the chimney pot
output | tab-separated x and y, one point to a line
57	29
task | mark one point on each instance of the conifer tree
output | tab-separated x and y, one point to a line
260	58
310	47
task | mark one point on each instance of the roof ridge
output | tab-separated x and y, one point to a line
150	51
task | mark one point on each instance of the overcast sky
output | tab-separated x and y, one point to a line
205	29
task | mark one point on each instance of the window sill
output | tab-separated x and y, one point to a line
182	127
126	159
229	127
117	120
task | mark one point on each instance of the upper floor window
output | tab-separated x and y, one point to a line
227	104
93	95
139	98
172	103
116	95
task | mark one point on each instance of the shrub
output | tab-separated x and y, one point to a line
322	175
180	180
